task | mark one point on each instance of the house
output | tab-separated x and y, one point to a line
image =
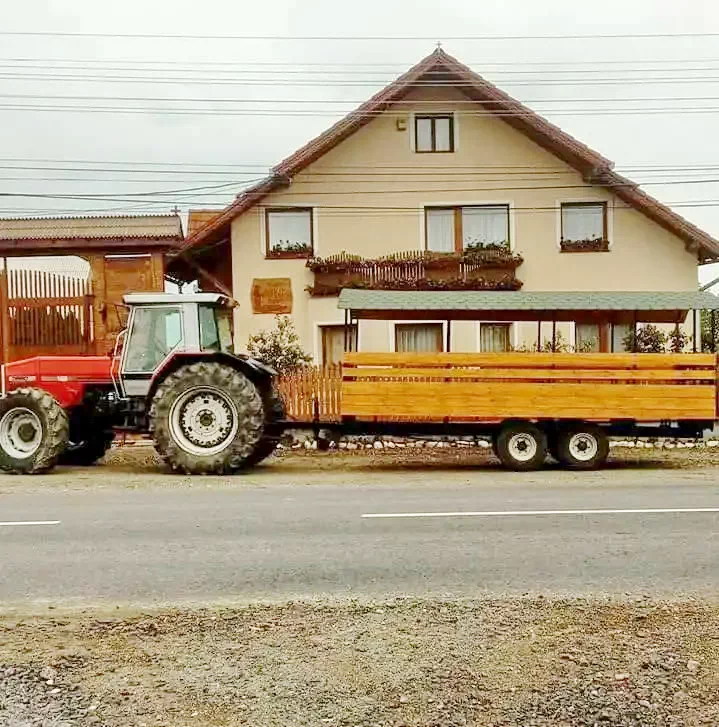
440	181
63	278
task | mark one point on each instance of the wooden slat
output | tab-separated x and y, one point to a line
439	400
301	389
533	360
43	302
480	374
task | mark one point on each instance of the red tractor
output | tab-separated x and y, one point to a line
173	374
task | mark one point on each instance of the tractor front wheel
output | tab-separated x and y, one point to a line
207	418
34	431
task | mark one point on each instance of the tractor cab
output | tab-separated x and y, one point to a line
164	325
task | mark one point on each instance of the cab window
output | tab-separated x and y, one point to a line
156	332
215	328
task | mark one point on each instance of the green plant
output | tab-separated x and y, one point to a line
279	347
285	246
678	340
709	331
647	339
473	246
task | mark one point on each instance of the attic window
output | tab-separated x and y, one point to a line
434	133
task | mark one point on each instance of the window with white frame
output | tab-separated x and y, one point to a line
584	221
494	337
455	229
485	226
434	133
289	231
418	338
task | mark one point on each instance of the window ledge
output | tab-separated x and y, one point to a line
584	246
288	255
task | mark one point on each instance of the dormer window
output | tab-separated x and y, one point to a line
434	133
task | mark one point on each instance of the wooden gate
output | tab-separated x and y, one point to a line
44	313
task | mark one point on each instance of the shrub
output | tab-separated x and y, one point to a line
647	339
279	347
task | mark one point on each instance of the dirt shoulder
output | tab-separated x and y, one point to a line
139	466
521	662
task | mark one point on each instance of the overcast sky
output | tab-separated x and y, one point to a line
227	105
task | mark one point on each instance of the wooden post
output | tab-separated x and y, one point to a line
554	335
346	330
5	313
539	336
157	265
99	290
449	335
634	337
611	337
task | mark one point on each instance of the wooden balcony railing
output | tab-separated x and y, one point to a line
479	269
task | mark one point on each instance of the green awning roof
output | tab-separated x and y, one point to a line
524	302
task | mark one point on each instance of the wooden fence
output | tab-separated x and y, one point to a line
312	393
44	313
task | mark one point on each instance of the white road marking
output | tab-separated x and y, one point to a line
22	523
517	513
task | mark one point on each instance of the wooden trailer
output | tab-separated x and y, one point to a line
531	404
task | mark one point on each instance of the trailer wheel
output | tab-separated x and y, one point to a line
521	446
34	431
582	446
207	418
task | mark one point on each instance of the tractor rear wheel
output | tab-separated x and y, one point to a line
274	411
207	418
34	431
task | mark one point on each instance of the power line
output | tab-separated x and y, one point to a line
142	110
344	38
374	76
357	83
399	102
335	192
364	168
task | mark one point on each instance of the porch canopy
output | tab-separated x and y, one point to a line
577	306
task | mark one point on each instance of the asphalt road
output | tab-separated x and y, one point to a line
197	542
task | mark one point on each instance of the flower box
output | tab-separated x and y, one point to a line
596	245
289	253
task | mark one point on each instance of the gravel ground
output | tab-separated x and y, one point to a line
521	662
144	458
139	466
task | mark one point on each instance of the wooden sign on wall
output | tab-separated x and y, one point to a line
272	295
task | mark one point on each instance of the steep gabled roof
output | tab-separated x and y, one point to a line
441	68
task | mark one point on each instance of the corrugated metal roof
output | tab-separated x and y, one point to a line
469	300
67	228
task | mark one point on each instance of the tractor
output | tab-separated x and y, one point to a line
172	374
